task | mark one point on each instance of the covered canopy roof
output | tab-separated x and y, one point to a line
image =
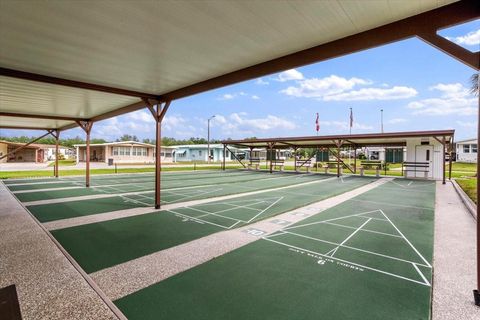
356	140
89	60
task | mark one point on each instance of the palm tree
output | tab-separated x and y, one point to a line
474	80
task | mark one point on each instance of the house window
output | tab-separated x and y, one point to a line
115	151
200	153
466	148
144	152
474	148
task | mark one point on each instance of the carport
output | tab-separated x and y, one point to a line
71	64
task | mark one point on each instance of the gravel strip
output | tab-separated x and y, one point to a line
129	277
454	258
48	285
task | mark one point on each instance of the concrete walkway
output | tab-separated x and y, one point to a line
48	285
454	258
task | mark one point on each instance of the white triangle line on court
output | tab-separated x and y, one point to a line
421	274
331	252
333	219
353	233
356	249
265	209
346	261
411	245
198	220
366	230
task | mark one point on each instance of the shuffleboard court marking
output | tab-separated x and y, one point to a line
412	184
332	252
184	196
345	261
366	230
393	204
119	280
235	207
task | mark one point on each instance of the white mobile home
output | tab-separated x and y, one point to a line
199	152
467	150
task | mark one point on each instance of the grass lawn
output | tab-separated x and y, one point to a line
63	163
470	187
49	173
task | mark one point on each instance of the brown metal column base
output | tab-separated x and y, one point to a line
476	296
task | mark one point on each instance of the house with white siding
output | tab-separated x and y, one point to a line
123	152
466	150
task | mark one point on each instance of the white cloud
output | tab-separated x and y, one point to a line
174	121
237	124
227	96
320	88
366	94
397	120
470	39
261	82
336	88
454	99
466	124
255	97
344	125
230	96
141	115
289	75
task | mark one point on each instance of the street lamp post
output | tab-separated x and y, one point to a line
208	138
381	118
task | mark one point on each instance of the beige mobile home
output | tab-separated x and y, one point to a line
123	152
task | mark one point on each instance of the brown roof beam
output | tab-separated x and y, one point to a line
38	116
25	128
471	59
442	17
72	83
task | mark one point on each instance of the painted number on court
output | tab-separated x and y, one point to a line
255	232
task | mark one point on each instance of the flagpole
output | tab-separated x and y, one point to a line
351	120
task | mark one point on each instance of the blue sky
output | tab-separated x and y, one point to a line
417	86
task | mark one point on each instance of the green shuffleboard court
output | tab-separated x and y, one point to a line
71	209
367	258
132	183
100	245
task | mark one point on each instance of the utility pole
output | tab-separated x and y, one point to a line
381	117
208	138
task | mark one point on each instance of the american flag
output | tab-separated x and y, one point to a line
317	124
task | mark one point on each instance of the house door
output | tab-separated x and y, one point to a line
424	154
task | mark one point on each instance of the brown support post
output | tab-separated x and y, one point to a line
224	153
355	160
443	159
56	135
270	146
476	292
87	164
87	127
158	159
450	159
338	144
158	114
295	158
